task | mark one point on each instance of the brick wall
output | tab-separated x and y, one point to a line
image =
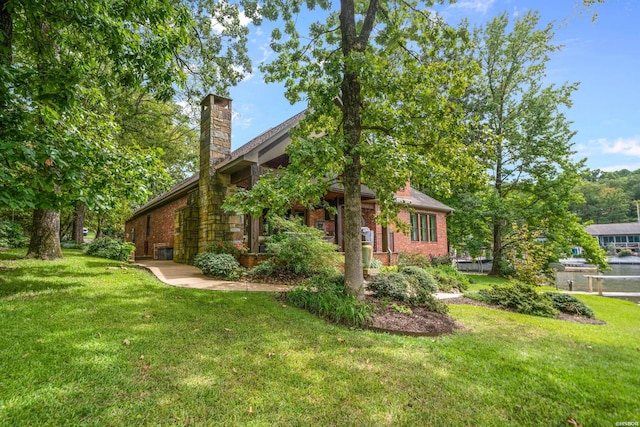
161	227
403	242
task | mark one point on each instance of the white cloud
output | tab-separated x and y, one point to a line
630	166
624	146
481	6
240	120
219	25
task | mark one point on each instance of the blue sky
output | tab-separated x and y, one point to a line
604	56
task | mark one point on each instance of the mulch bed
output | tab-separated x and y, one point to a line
419	322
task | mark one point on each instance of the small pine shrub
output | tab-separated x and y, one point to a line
325	296
106	247
391	285
376	263
421	277
448	278
567	303
406	259
223	266
520	297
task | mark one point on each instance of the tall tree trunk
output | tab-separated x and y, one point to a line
78	222
352	129
45	235
99	229
496	269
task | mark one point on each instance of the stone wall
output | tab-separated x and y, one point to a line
187	224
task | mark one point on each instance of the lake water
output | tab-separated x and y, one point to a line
580	282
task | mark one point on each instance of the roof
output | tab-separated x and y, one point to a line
418	199
614	229
251	152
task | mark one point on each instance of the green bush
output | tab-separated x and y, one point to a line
430	302
625	253
567	303
376	263
325	296
422	278
520	297
390	285
12	235
406	259
106	247
407	288
448	278
301	250
264	269
437	261
223	266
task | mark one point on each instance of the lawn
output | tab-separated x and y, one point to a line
85	344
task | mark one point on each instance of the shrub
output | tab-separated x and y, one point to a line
232	248
624	253
520	297
406	259
430	302
264	269
325	296
12	235
301	250
436	261
422	278
406	287
391	285
223	266
567	303
376	264
106	247
448	278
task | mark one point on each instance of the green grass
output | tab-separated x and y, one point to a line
198	357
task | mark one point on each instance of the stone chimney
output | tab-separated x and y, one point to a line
215	187
215	132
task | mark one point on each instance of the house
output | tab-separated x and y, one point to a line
185	220
620	236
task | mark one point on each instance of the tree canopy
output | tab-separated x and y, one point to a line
384	107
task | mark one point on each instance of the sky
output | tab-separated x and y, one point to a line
603	55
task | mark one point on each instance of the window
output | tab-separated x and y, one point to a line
424	233
621	239
433	229
424	228
634	239
133	235
414	227
148	225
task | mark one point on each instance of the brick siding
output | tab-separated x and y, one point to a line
161	228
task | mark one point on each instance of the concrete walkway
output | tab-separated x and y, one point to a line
188	276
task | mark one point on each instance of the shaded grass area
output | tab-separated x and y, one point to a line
81	344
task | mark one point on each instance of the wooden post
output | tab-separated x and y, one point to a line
599	282
590	284
254	222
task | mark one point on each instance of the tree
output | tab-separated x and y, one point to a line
528	140
383	107
61	65
601	204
